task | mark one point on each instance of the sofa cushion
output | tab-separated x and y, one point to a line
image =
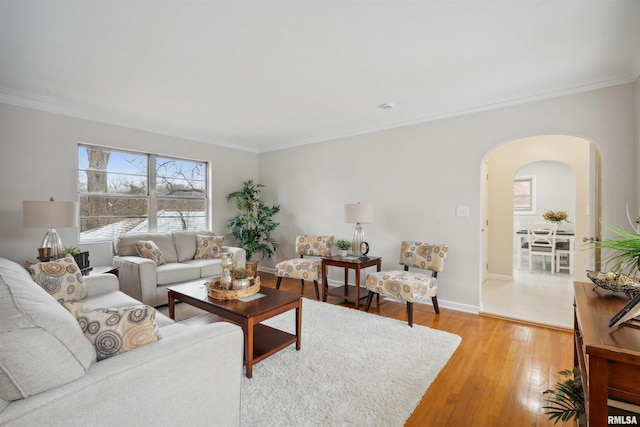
148	249
176	272
61	278
208	267
124	245
115	331
185	243
208	247
41	344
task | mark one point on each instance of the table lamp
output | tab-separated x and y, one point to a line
50	214
358	213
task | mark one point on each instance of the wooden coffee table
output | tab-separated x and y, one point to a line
260	341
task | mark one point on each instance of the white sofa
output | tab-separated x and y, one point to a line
49	375
144	280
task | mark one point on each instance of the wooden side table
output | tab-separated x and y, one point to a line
101	270
347	263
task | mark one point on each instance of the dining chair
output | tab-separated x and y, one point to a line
410	286
564	249
542	242
306	269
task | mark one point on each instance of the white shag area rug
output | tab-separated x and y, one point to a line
353	369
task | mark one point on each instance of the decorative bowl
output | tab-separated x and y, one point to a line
615	282
214	291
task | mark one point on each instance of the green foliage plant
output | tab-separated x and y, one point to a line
343	244
71	251
621	255
240	273
252	226
566	399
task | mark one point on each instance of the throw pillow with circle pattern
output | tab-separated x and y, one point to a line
62	278
114	331
148	249
208	247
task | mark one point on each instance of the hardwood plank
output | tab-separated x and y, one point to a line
496	376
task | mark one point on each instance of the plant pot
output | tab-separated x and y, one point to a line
252	266
343	252
241	284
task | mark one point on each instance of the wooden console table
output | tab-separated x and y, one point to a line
609	358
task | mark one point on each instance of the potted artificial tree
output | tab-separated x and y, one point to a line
253	224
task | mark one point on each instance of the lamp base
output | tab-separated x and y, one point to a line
358	238
52	240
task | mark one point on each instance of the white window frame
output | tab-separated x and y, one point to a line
532	210
151	195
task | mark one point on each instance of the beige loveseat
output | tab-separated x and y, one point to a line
49	375
146	281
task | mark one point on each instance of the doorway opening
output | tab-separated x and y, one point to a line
566	177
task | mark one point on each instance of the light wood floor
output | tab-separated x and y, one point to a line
496	376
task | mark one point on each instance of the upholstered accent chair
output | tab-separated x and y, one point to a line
306	269
411	286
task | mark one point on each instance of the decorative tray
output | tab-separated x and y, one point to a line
214	291
616	282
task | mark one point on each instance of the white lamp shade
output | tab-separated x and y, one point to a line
49	214
358	213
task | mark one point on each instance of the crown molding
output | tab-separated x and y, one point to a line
112	117
458	113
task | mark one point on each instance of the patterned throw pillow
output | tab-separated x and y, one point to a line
208	246
115	331
148	249
62	278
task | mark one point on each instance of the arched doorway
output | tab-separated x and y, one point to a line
501	165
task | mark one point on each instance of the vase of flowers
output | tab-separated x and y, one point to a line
555	217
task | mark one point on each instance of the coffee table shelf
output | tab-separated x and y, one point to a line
260	341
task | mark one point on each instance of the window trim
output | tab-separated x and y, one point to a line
524	211
151	196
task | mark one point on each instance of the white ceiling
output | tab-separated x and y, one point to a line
264	75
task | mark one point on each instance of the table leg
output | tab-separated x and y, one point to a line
248	346
325	286
172	307
357	286
299	324
346	282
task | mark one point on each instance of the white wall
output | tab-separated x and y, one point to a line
555	190
416	175
39	160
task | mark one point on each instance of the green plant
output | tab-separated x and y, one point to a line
253	225
566	399
71	251
240	273
343	244
621	255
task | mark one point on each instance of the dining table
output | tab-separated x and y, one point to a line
561	235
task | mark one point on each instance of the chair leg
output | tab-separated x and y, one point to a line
315	284
410	313
278	282
434	300
369	298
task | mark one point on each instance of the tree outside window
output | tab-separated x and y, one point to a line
124	192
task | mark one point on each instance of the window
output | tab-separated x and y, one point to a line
124	192
524	195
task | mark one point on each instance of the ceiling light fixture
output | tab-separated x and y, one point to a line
386	106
